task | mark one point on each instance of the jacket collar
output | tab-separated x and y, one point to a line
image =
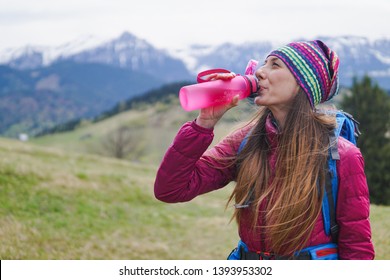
273	130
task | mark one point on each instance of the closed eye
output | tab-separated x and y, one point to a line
273	61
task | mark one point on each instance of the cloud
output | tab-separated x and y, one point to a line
171	23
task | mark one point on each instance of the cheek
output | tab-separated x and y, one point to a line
293	87
286	87
288	83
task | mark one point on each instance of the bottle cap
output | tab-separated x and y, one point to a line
251	67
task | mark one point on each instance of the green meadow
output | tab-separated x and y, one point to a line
58	205
62	197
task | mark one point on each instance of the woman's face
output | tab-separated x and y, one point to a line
278	86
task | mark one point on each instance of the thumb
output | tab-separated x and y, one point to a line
235	101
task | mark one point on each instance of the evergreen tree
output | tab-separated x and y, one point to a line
370	105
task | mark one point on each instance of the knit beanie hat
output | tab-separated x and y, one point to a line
314	66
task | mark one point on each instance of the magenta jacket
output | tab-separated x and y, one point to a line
188	169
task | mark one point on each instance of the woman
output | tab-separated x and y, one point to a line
277	173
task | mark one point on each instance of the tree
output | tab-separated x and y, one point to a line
119	142
370	105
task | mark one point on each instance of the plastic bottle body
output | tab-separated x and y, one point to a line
218	92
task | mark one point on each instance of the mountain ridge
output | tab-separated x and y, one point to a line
359	56
32	100
96	74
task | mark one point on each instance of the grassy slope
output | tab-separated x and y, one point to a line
76	205
57	205
153	128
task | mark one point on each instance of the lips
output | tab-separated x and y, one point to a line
261	90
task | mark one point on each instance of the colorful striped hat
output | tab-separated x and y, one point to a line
314	66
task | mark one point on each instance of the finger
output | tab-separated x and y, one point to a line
227	76
211	77
234	101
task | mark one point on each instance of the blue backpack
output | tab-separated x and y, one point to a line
347	127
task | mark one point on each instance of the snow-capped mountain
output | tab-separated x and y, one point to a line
358	56
43	86
126	52
130	52
31	57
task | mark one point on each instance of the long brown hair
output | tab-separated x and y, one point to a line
289	195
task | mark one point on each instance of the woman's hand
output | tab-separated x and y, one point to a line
208	117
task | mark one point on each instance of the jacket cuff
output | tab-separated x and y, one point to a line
193	140
201	129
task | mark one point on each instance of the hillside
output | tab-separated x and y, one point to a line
55	204
60	205
73	200
32	100
148	123
151	128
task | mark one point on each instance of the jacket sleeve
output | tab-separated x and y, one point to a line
353	207
188	169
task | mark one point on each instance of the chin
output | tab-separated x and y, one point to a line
258	101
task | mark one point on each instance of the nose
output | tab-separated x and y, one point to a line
260	73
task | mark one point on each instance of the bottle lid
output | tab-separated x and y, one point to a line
251	67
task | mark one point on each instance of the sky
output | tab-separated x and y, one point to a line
175	24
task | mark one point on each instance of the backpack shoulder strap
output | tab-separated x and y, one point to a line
329	200
243	142
346	127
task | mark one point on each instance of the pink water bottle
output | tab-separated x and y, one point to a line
218	92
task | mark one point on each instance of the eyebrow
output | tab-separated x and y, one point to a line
271	59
